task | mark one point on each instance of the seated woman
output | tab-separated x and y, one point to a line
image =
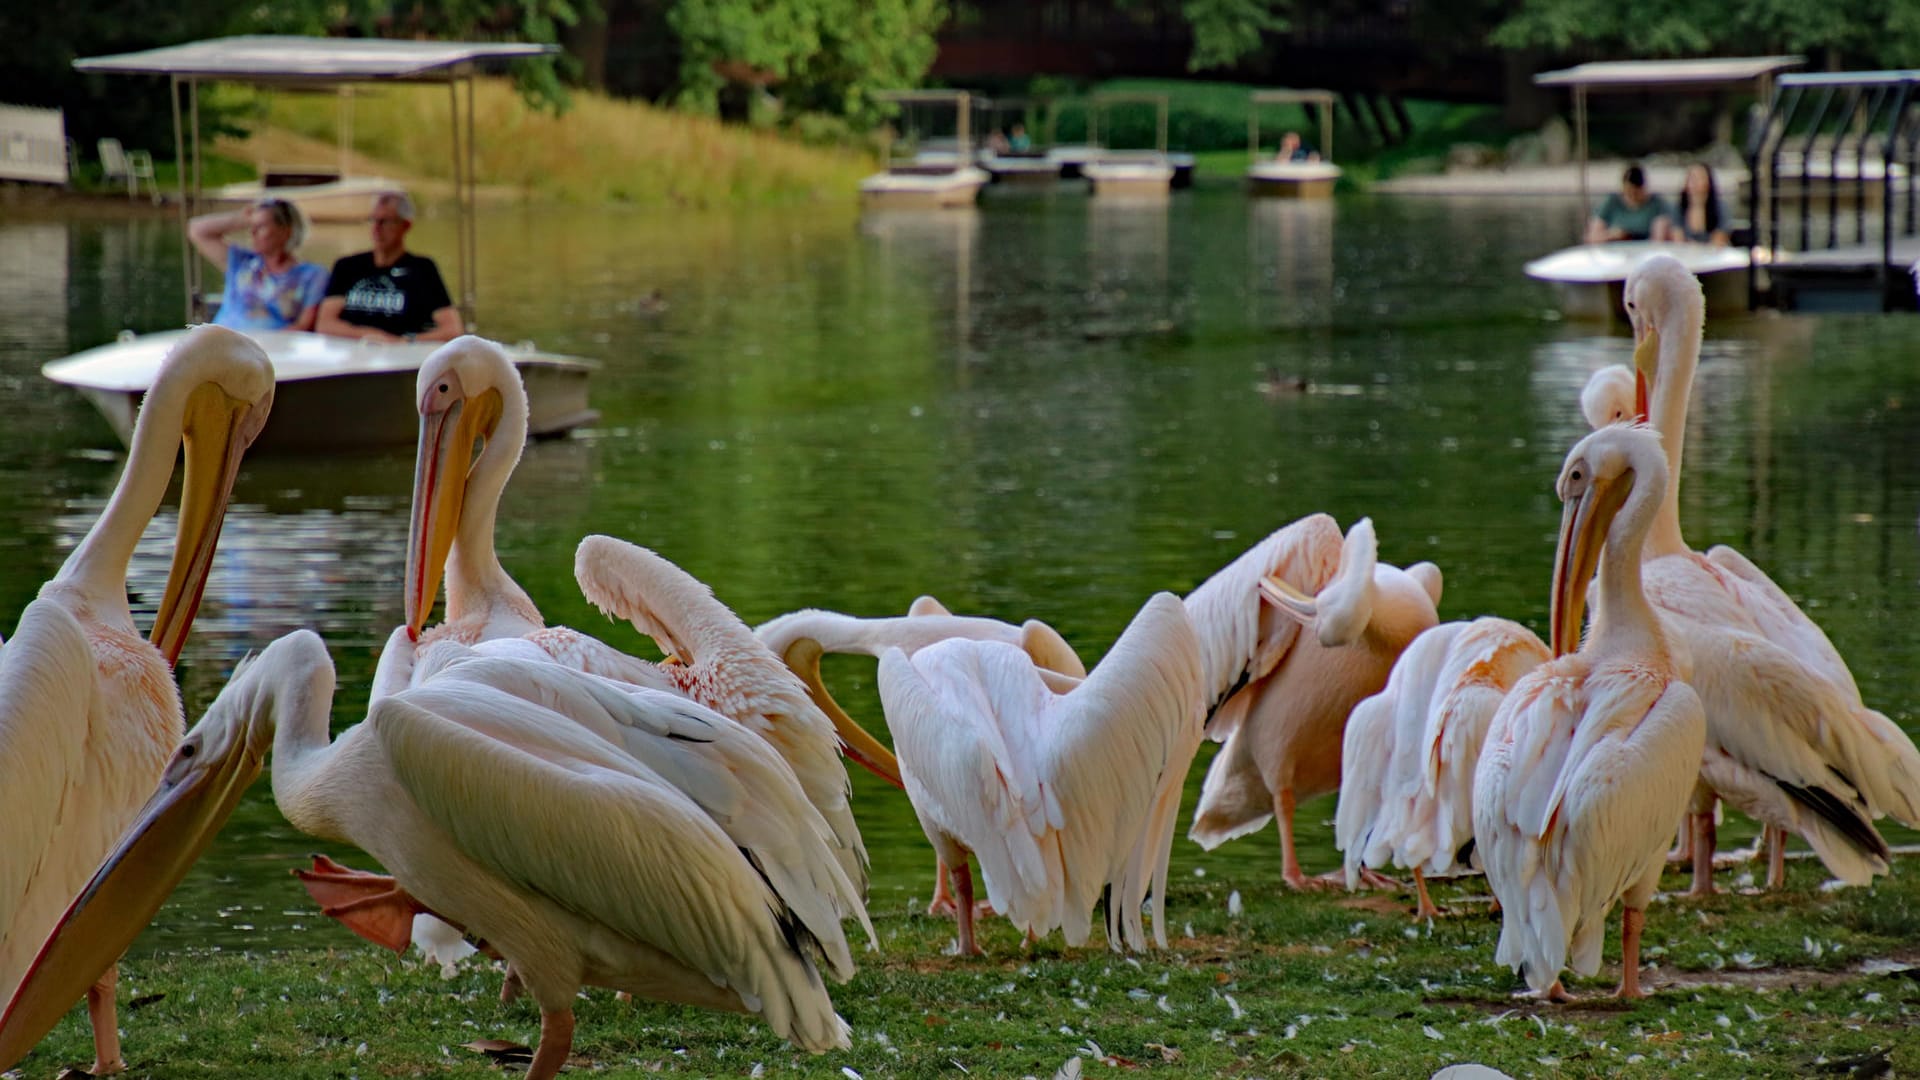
1632	213
267	288
1701	219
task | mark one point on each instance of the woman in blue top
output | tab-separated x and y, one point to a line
267	288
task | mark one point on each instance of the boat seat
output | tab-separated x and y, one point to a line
133	166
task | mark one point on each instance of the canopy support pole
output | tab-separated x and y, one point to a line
188	265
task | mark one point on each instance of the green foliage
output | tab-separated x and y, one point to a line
1855	33
1226	30
827	56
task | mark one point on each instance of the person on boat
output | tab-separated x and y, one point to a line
1019	141
1632	213
389	294
1701	220
267	287
1292	149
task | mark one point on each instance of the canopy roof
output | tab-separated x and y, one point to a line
1284	97
1667	74
289	59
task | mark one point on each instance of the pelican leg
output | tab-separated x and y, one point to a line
106	1028
942	895
1703	843
1556	992
1427	909
1290	871
556	1042
370	905
1631	920
1776	844
963	888
510	987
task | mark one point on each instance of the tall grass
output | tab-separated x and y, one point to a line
602	150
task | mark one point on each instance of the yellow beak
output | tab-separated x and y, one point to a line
440	468
217	430
1583	531
170	834
803	659
1646	368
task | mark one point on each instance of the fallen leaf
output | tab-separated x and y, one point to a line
934	1021
1666	1036
501	1051
144	1000
1168	1054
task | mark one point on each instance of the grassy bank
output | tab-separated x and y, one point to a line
1328	985
601	151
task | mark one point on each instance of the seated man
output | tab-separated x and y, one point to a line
389	294
1632	213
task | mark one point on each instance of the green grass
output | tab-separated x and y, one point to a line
1323	985
215	170
602	150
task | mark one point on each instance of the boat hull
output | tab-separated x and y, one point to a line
330	393
1292	180
1129	180
335	202
922	191
1590	279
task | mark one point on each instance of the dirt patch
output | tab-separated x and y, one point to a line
1654	981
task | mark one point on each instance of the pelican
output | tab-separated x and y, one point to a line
88	710
1591	757
801	638
1058	795
587	831
1407	764
470	393
1408	758
1282	702
1789	741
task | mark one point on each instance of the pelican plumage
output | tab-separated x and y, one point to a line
1058	796
88	709
470	394
1790	743
802	638
1282	698
588	831
1407	763
1406	769
1592	756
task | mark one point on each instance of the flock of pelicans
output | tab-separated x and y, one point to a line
681	830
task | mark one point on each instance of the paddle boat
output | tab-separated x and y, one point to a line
1269	176
1129	173
936	174
330	392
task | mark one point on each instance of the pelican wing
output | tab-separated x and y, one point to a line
568	817
1060	795
733	775
727	669
1777	618
1380	763
46	688
1242	637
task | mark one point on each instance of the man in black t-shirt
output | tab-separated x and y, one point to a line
389	294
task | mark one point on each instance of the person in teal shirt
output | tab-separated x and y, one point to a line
1630	213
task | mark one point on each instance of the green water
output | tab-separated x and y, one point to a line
1047	408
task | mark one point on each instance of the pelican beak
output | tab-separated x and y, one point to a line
173	829
447	437
216	431
803	659
1583	531
1646	367
1281	594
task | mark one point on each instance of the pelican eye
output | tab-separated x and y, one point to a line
1574	475
443	388
186	750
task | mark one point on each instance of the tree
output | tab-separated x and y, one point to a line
1226	30
1862	33
829	56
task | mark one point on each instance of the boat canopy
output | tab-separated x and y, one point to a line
280	60
293	62
1667	74
1323	100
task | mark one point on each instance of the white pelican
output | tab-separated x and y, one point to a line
801	638
1282	698
1591	757
1059	796
587	831
88	710
1406	769
469	392
1789	741
1407	763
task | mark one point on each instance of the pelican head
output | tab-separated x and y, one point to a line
212	768
1601	472
468	392
220	383
1660	292
1609	396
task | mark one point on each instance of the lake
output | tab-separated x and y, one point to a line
1048	407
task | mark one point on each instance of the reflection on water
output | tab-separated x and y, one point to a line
1046	407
